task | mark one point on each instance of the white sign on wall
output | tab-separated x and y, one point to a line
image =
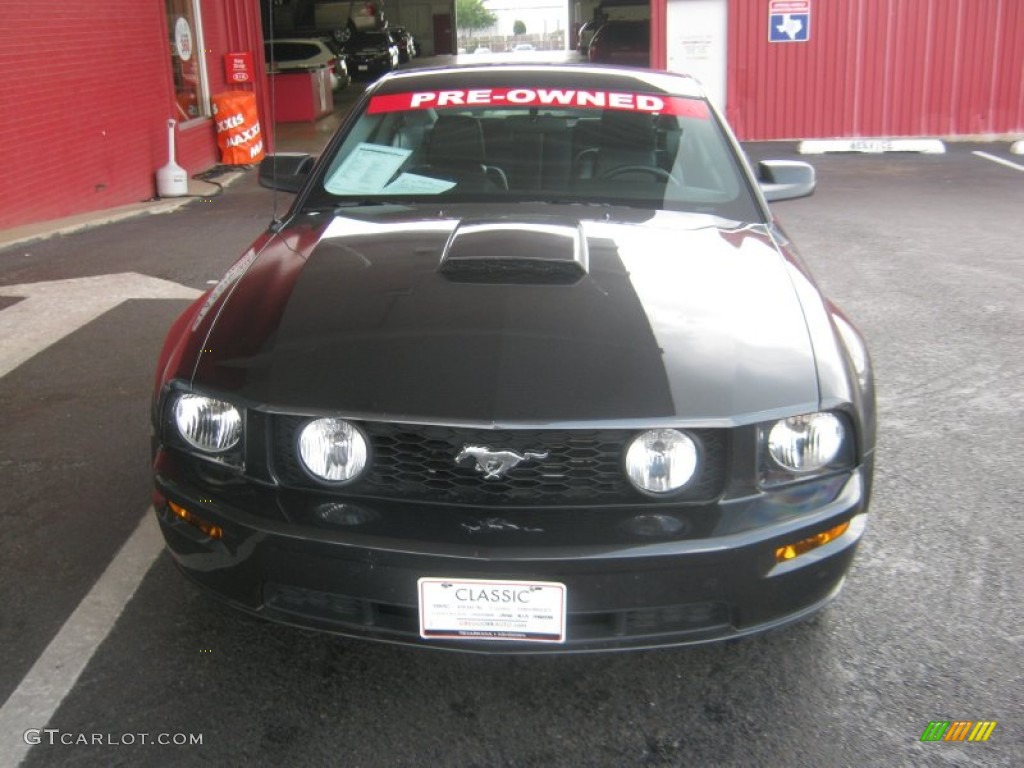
697	33
183	38
789	21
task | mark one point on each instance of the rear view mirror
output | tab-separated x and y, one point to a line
784	179
286	171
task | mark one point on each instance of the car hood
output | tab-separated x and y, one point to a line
500	319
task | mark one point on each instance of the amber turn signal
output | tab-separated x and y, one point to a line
790	551
213	531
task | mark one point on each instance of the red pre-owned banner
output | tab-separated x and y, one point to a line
540	97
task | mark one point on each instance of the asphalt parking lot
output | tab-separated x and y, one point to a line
923	252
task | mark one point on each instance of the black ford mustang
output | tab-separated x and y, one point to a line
528	366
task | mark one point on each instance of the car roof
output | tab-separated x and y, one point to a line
296	50
289	40
541	76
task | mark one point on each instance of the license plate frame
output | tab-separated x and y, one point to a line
507	610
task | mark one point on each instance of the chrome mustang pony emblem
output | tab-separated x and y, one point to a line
495	464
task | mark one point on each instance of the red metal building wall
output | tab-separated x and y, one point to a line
80	113
85	97
879	68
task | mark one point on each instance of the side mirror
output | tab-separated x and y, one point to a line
286	171
785	179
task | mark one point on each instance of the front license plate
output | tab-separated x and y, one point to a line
363	67
480	609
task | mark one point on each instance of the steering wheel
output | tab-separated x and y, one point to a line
661	173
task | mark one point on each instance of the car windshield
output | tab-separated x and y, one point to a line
533	144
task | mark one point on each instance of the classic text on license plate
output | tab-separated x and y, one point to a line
482	609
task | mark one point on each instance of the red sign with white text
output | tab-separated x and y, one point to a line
540	97
238	67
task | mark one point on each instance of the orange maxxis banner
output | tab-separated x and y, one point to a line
238	128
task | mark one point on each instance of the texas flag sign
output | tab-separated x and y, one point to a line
789	21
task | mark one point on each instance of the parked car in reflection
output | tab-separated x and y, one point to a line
303	54
622	42
406	43
585	35
338	49
371	53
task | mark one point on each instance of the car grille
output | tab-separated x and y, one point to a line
414	462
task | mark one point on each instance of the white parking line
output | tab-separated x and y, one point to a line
52	310
999	160
56	671
48	312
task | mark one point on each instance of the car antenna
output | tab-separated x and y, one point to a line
275	221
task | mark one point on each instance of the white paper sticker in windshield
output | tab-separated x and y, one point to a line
414	184
366	170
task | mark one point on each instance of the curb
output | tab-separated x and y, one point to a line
871	146
46	229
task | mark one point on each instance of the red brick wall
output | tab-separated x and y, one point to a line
85	96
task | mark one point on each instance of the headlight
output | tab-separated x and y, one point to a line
332	449
661	460
207	424
806	443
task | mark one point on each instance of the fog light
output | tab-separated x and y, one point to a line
213	531
333	450
788	552
661	460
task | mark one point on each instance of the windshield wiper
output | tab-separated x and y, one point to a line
336	206
357	204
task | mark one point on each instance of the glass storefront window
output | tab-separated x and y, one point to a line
191	92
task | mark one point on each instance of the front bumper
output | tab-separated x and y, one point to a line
657	594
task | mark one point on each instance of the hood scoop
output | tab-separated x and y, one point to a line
537	252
